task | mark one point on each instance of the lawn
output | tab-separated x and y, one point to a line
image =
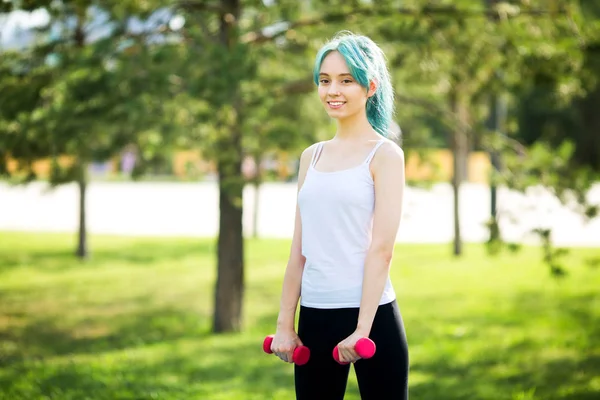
134	322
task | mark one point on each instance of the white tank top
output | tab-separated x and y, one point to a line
336	210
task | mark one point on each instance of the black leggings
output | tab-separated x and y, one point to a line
384	376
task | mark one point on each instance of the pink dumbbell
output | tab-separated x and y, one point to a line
300	356
364	347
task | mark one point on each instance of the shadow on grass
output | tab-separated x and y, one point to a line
562	378
46	337
181	371
532	367
136	253
187	362
178	371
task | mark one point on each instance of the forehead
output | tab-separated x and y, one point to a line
334	63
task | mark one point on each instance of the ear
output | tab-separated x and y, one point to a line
372	88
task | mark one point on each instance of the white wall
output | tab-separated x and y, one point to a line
191	209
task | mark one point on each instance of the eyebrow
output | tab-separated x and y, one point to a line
325	74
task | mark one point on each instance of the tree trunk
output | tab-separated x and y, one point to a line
229	288
460	149
255	209
82	245
493	125
230	249
496	123
257	182
456	192
82	248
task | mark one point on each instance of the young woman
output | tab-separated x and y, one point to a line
350	193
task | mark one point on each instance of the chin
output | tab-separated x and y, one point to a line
341	115
335	114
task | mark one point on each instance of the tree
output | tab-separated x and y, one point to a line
550	119
462	58
82	103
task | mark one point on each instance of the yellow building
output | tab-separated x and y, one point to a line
435	166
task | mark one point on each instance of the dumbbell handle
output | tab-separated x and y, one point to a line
364	347
301	353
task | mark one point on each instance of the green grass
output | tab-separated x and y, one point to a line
134	323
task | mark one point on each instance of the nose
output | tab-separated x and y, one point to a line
333	90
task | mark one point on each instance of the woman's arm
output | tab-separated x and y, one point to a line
389	179
286	340
292	278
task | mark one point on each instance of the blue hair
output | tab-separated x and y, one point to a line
366	62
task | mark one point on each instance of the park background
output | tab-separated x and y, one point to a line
148	153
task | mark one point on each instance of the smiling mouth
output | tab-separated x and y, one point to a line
336	104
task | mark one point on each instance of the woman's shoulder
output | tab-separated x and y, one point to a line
308	152
310	149
391	148
389	152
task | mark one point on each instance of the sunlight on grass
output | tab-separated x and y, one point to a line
133	322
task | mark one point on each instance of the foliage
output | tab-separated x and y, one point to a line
544	168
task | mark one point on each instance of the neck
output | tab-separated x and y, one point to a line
355	128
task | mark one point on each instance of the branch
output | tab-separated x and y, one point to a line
449	118
448	11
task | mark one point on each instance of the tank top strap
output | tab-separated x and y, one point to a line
372	153
316	154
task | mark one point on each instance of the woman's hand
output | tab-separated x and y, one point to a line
284	344
346	350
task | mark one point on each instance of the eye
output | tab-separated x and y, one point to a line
347	81
324	81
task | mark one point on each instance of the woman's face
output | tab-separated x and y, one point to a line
341	94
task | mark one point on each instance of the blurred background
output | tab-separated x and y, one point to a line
148	163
